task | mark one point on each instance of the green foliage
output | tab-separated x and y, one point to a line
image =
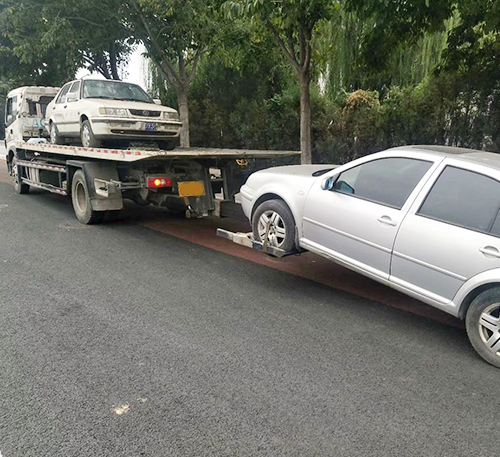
51	40
396	22
383	72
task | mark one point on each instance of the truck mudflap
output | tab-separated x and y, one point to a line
246	239
102	182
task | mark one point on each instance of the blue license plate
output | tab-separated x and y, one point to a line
150	126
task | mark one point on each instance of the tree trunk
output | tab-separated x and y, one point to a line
112	62
305	116
182	100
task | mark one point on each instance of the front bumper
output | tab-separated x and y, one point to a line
247	200
127	128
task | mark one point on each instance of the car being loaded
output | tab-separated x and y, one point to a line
424	220
106	110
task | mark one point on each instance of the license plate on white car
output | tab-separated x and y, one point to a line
150	126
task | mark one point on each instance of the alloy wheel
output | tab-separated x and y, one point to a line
489	328
272	225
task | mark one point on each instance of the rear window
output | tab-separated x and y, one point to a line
464	198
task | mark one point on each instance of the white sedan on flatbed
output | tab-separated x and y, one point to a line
424	220
94	111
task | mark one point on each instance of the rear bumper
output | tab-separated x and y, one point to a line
247	201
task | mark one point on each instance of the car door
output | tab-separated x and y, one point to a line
450	234
356	220
58	114
71	112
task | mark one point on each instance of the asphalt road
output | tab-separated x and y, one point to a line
119	340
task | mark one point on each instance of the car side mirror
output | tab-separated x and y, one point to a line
71	97
10	119
157	101
343	187
327	183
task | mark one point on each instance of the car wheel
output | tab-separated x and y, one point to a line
273	222
55	138
87	136
483	325
167	145
19	186
80	198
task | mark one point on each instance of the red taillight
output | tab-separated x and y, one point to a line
159	182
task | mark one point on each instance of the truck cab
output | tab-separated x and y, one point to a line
25	114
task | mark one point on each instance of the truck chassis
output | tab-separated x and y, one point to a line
98	180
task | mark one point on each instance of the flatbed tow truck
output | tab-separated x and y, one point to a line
184	180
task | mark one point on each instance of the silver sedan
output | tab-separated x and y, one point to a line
424	220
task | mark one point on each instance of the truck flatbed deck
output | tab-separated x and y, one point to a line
133	155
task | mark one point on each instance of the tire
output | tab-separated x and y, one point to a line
483	325
19	187
55	138
87	136
112	215
81	200
167	145
275	217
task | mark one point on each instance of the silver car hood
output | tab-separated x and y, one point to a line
298	170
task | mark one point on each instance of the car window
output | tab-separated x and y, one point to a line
114	90
464	198
43	102
62	96
495	229
75	88
387	181
10	110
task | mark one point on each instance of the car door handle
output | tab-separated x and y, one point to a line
386	220
491	251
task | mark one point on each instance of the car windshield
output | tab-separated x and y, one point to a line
115	90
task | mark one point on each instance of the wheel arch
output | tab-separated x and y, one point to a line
469	298
72	168
272	196
264	198
9	156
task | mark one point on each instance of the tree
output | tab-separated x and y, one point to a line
292	24
395	22
471	60
176	34
52	34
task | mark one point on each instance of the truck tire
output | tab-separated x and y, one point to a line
112	215
80	197
55	138
19	186
87	136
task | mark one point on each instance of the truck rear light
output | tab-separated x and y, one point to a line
159	182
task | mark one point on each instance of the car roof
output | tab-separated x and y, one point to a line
104	80
32	88
489	159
